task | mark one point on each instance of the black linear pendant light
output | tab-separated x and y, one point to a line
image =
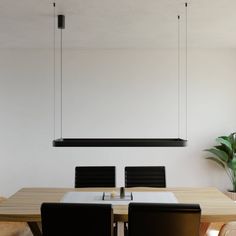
120	142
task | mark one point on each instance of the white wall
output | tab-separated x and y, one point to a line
112	93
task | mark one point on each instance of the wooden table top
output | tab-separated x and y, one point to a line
25	204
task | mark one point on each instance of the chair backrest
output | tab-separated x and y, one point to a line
71	219
95	176
145	176
148	219
228	229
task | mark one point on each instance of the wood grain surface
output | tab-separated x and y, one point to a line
24	205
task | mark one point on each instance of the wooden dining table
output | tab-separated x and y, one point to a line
24	205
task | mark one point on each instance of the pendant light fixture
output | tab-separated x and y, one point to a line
118	142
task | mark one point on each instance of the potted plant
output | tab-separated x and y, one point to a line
224	154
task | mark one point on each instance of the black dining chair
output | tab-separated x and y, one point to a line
145	176
163	219
72	219
95	176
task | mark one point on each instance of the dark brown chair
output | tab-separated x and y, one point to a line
148	219
95	176
145	176
70	219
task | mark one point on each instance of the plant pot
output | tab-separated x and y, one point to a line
231	195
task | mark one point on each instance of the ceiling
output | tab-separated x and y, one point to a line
118	24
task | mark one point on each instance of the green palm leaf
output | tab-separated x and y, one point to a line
225	155
232	164
217	160
221	147
226	143
232	139
219	153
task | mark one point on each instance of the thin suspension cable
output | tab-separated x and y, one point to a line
178	76
54	70
61	84
186	67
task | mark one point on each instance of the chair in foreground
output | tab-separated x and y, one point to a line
148	219
71	219
228	229
145	176
95	176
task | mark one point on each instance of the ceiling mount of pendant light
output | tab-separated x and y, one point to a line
61	22
119	142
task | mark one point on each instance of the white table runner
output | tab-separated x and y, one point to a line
96	197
